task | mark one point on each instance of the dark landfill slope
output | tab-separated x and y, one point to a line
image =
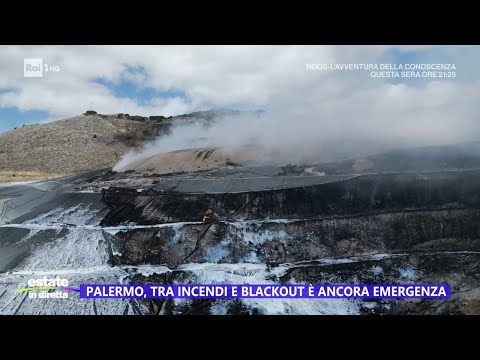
410	216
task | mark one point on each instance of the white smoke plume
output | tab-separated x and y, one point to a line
336	132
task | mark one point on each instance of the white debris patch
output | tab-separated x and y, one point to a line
113	230
258	274
311	171
305	306
147	270
408	273
377	270
251	233
77	215
115	251
216	253
220	307
80	248
207	273
251	257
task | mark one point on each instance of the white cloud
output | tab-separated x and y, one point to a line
268	77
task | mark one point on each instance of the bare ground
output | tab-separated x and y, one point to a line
14	176
69	146
192	160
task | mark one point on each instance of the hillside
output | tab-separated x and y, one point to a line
70	146
85	142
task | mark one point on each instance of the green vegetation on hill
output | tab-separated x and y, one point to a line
198	115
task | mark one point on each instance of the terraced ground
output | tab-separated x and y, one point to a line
415	221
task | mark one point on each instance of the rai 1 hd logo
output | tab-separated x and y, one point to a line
35	67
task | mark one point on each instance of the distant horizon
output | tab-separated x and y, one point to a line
117	113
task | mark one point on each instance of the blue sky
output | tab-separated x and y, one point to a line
170	80
12	117
131	85
439	55
141	95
